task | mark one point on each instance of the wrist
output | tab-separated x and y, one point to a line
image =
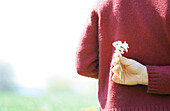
144	76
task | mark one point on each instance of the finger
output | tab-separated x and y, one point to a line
116	79
115	61
116	55
115	69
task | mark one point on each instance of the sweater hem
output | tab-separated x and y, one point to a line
147	107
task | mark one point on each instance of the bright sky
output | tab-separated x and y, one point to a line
39	38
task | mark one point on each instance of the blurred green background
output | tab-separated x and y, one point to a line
60	94
59	101
38	42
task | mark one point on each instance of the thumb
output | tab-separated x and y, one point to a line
126	61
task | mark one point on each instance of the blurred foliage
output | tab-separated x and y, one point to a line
60	101
83	85
56	83
6	77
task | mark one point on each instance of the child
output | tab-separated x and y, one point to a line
145	26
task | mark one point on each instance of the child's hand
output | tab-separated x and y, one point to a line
133	71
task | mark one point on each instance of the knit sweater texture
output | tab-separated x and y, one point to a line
145	26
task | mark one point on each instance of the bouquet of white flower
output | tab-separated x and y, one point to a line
120	48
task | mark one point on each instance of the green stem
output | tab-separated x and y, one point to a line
120	71
120	67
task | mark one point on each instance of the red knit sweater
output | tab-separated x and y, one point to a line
145	25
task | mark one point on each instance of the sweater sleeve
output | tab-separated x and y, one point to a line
159	79
87	53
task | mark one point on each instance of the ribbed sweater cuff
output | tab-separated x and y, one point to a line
153	79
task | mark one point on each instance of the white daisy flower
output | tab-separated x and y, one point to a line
125	45
120	47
